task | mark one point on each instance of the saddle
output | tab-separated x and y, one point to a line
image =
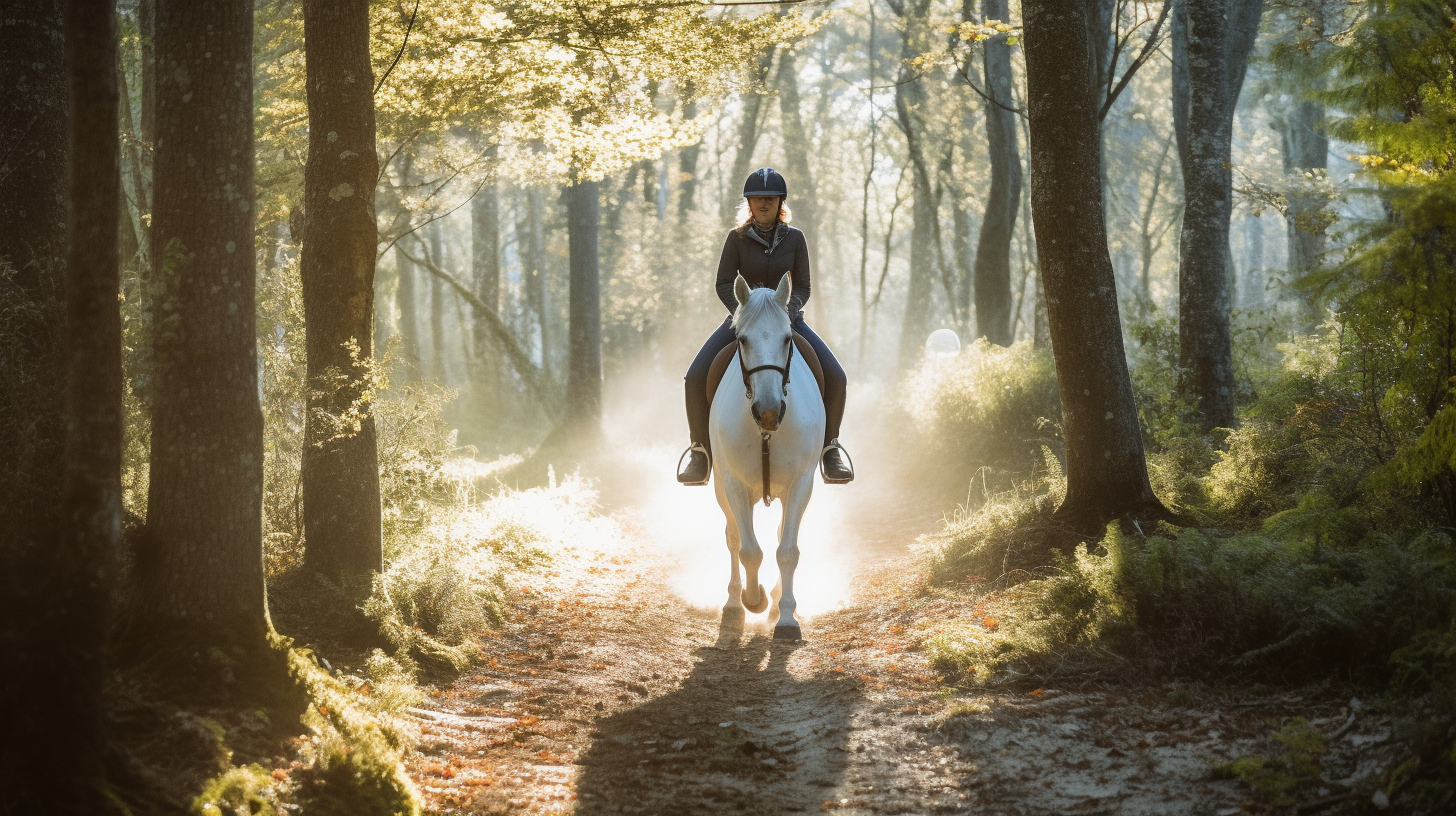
720	364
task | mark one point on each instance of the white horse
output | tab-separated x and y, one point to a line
782	409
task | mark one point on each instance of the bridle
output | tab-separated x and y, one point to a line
783	371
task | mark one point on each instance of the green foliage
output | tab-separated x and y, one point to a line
354	757
1010	532
989	406
1280	779
247	791
447	582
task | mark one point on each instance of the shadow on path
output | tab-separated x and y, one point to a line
741	735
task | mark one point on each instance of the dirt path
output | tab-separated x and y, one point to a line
608	694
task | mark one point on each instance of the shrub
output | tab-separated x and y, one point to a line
989	406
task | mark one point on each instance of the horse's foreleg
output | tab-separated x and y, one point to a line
795	503
750	554
733	610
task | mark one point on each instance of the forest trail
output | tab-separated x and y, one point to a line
608	693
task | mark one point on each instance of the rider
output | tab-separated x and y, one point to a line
762	249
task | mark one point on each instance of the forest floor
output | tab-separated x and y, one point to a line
608	693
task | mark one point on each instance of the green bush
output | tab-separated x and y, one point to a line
990	407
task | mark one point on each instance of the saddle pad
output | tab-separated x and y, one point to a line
720	364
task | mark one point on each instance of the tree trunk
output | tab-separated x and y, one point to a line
748	131
407	296
796	151
687	169
55	635
534	257
342	522
32	247
437	305
909	97
584	369
69	692
33	220
1306	146
993	252
1210	55
486	271
1107	475
199	567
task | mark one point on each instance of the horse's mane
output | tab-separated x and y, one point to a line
760	301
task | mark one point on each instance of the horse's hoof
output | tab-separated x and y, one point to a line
732	619
758	606
787	631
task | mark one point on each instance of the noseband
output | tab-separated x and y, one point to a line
783	370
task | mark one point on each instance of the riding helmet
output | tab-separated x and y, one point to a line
765	182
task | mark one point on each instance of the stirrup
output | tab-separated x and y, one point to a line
834	443
697	447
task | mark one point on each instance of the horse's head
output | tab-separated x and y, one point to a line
765	347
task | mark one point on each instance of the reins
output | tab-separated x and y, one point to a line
748	392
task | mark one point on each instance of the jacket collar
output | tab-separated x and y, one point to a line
780	230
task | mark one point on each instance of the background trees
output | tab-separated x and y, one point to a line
340	467
199	567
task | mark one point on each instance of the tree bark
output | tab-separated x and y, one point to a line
687	169
748	131
584	368
537	292
407	296
909	97
53	690
1107	474
199	567
1003	200
32	275
437	305
1306	146
91	502
1210	55
343	536
486	271
805	201
33	322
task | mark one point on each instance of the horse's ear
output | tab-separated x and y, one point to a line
740	290
785	288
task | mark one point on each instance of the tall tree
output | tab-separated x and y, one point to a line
1107	474
407	292
56	632
435	236
584	365
749	127
199	566
33	117
69	690
343	538
910	98
486	271
1211	44
1003	199
533	255
1306	147
687	167
797	146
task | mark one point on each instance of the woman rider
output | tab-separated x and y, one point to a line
762	249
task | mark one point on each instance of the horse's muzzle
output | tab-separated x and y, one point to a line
768	418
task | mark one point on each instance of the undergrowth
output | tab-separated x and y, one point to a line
1321	543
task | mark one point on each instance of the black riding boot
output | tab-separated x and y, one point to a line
694	466
836	466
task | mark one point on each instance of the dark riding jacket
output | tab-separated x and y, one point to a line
762	263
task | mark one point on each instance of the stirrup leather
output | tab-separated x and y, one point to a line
833	444
698	447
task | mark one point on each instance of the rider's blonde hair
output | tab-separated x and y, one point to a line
745	216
